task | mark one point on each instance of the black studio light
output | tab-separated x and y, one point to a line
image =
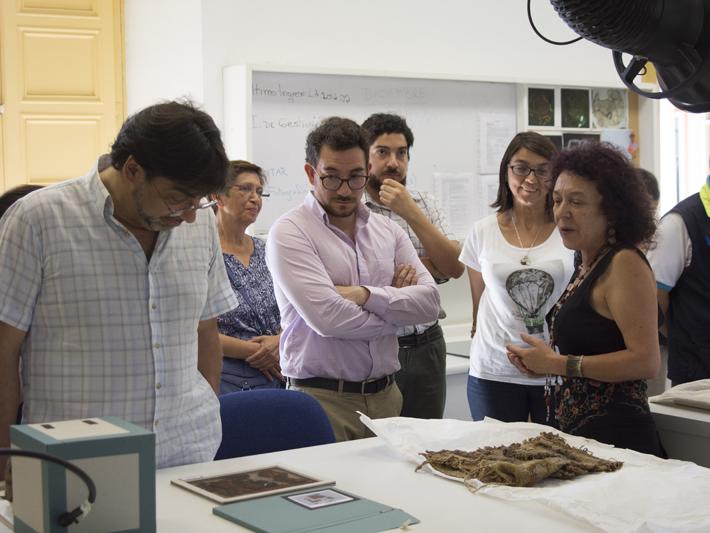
674	35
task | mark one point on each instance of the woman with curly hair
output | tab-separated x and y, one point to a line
604	327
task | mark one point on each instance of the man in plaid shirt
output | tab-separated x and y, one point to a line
422	350
111	285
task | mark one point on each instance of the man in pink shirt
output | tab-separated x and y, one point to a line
345	280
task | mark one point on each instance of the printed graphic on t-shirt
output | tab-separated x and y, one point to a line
530	289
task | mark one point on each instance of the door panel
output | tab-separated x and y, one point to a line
62	86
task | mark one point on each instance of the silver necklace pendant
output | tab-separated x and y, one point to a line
525	260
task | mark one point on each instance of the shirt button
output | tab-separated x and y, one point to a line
154	306
156	345
156	423
158	385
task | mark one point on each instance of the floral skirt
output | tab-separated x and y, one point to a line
613	413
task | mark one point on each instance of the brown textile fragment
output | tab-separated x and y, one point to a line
519	464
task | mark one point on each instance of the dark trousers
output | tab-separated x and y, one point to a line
507	402
422	378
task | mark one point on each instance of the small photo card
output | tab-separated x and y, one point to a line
320	498
235	486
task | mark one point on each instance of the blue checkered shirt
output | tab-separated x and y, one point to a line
109	331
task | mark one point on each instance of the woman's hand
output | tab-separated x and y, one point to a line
266	358
273	373
537	360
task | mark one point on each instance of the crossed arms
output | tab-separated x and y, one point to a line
300	274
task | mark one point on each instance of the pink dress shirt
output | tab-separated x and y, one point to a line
323	334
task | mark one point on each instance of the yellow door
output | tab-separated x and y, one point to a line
61	65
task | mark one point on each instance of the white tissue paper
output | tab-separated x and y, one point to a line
647	494
693	394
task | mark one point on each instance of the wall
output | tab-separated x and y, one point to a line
169	53
487	41
164	52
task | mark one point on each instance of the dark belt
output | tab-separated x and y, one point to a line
431	334
370	386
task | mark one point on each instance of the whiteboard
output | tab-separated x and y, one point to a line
460	131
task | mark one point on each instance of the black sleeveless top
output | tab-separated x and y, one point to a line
614	413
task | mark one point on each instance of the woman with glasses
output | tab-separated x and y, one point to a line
250	333
517	267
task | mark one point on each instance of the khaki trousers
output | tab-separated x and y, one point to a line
341	408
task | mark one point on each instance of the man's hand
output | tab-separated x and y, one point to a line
11	340
355	293
396	196
404	276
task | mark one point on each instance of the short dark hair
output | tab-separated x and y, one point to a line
625	201
337	133
384	123
239	167
537	144
650	182
177	141
12	195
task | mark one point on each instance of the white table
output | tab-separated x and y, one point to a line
685	432
370	469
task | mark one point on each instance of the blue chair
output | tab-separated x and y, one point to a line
270	420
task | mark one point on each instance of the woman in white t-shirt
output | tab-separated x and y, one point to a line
518	268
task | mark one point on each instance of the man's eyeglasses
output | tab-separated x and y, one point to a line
181	211
542	172
249	189
333	183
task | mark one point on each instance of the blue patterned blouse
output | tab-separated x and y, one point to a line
257	313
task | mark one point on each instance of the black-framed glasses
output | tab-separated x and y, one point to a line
181	211
333	183
542	172
250	189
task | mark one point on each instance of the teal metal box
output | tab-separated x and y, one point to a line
117	455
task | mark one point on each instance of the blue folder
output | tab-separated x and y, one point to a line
278	514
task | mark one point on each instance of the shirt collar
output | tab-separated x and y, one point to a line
100	197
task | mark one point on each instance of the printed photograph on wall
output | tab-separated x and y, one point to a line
609	108
541	107
575	108
573	139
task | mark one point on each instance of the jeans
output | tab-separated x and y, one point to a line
507	402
